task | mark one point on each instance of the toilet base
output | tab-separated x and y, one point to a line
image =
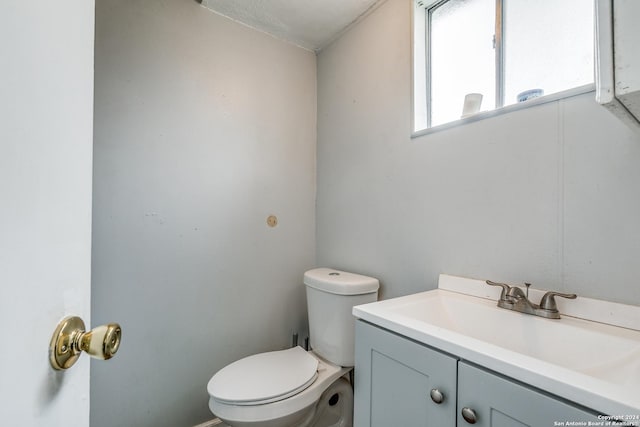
335	407
298	419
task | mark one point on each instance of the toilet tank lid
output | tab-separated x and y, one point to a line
340	282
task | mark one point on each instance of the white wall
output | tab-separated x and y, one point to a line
46	97
203	128
547	195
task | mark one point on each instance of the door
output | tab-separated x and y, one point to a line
399	382
489	400
46	116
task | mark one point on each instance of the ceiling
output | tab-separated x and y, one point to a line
311	24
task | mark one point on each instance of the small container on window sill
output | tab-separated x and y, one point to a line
529	94
472	104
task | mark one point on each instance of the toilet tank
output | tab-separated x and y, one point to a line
331	295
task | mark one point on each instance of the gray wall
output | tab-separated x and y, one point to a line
203	128
549	195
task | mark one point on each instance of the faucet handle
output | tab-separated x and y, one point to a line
505	289
548	301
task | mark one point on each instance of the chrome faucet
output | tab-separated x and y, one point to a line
514	298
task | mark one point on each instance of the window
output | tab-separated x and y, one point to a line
508	51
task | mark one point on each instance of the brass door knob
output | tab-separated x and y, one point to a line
70	339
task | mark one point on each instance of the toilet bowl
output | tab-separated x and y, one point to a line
294	387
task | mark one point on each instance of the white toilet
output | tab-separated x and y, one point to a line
293	387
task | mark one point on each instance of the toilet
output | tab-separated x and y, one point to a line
294	387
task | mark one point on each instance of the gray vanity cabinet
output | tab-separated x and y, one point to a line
500	402
394	377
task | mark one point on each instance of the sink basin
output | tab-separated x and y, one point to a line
572	343
593	364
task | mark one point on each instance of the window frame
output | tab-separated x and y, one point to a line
421	76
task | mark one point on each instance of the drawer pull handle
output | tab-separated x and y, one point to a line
436	396
469	415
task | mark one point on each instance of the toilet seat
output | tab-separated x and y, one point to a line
264	378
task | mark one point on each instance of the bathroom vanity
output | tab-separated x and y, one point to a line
447	358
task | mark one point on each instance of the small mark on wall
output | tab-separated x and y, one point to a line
155	216
272	221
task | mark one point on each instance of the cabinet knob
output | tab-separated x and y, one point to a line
436	396
469	415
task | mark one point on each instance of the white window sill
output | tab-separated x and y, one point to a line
507	109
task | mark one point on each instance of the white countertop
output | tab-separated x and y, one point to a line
588	362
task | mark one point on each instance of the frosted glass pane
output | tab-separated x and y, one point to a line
548	45
462	57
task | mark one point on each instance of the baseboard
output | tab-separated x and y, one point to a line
211	423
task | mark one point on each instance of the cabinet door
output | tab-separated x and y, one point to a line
626	54
617	81
394	377
499	402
